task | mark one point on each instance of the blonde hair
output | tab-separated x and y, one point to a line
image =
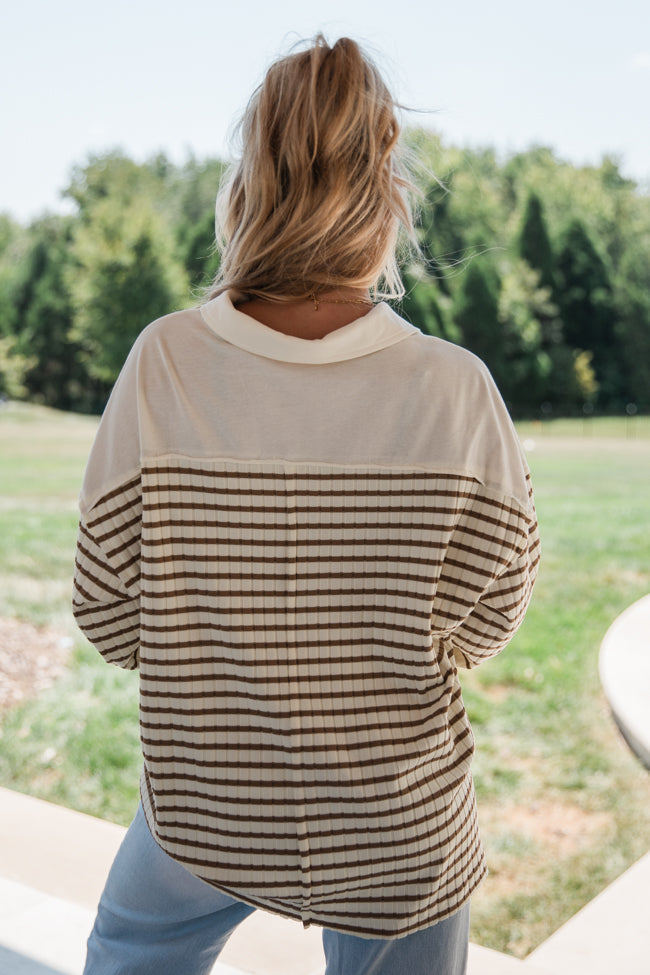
318	196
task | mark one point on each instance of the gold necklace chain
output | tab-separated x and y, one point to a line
337	301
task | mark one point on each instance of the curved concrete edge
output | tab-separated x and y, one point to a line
624	666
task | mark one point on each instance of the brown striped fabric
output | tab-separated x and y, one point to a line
298	627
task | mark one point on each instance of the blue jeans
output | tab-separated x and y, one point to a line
156	918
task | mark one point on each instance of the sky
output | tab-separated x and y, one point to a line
78	77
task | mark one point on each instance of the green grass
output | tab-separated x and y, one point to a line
77	743
564	806
42	459
545	739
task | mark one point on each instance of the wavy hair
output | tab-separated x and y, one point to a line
319	194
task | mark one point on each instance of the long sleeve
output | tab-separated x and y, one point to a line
497	615
498	566
106	598
106	593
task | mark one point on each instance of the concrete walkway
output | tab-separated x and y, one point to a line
610	936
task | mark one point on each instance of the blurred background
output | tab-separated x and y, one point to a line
529	124
116	124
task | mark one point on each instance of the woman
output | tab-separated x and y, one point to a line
300	517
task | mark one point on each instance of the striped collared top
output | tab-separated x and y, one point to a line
299	543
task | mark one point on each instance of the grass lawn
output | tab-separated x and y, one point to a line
563	805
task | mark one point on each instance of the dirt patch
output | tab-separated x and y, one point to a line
519	839
31	659
496	693
561	828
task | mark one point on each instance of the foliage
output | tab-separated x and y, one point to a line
476	315
534	245
13	367
632	291
123	277
195	228
124	270
44	312
524	305
587	309
540	267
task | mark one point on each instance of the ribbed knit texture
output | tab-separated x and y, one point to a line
298	626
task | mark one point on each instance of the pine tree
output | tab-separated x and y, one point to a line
587	311
533	243
126	275
56	375
476	314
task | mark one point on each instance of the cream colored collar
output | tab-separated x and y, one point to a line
380	328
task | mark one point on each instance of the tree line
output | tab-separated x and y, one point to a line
540	267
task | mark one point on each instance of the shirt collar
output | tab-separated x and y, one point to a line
380	328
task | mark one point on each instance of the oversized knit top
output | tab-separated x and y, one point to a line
298	543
